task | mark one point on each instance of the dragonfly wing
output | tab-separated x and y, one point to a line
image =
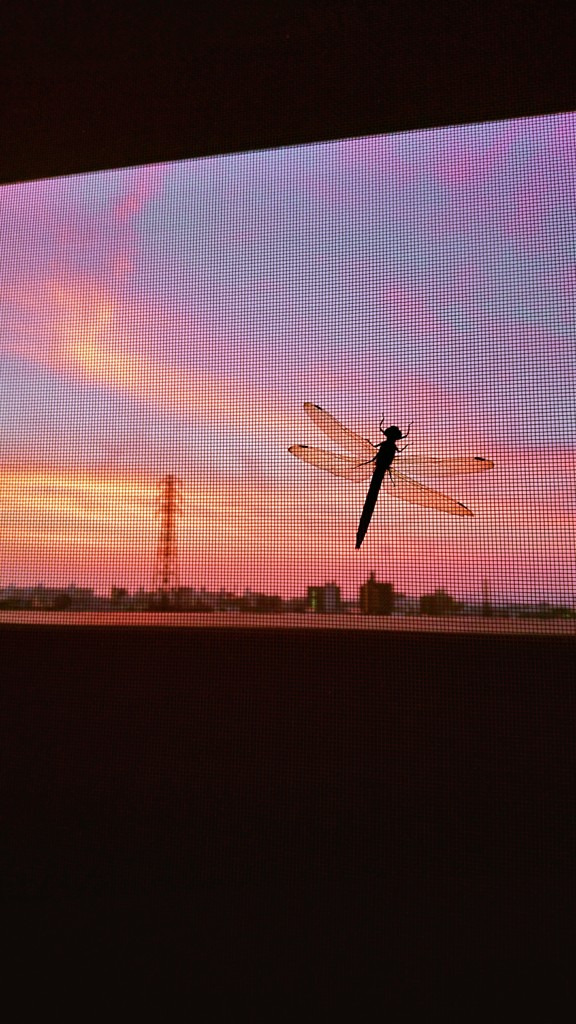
445	467
417	494
339	465
336	432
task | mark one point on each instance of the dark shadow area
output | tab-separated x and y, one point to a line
287	826
102	86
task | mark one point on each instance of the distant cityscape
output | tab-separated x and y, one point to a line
374	598
166	594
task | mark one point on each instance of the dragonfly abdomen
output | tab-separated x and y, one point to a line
382	466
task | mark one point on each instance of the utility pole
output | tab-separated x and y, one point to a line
166	575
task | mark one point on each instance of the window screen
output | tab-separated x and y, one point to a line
202	361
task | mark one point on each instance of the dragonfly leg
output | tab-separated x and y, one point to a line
405	446
408	431
391	477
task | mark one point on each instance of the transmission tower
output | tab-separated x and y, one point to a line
166	575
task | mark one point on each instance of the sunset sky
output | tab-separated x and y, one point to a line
175	318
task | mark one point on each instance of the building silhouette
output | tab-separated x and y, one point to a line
324	599
438	603
376	598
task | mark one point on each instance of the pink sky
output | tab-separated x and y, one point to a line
176	318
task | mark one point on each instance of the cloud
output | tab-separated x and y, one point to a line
62	227
83	332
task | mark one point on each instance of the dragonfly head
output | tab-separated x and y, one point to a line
392	433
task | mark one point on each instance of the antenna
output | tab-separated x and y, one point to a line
486	602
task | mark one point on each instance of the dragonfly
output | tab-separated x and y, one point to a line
363	464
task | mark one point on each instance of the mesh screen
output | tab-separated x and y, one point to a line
167	332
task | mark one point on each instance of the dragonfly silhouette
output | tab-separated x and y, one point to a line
363	464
